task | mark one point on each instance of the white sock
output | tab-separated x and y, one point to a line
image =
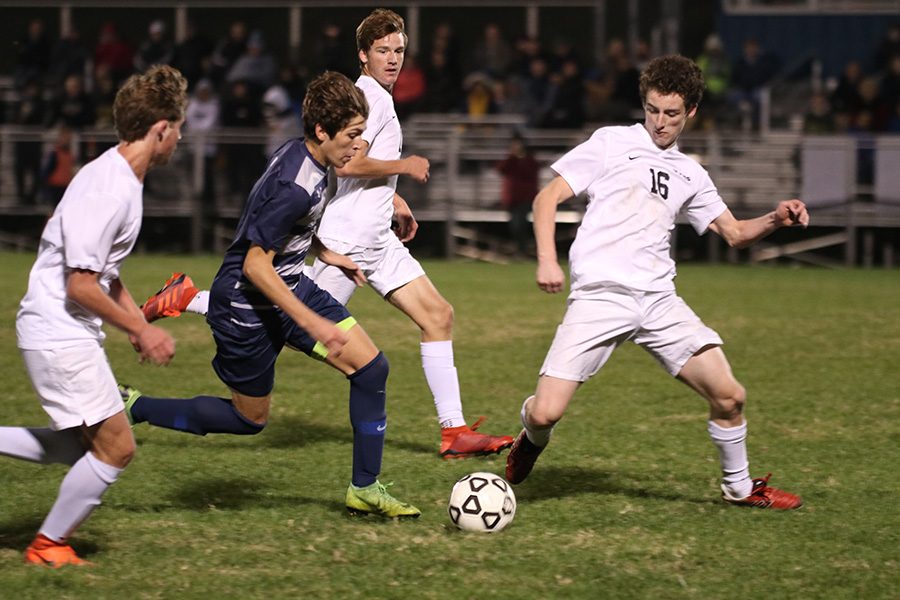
539	436
732	446
437	361
199	304
79	495
41	444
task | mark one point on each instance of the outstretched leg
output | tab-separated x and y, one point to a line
709	374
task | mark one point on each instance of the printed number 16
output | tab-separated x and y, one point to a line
658	183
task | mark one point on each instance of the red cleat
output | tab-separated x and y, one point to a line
764	496
45	552
521	458
171	300
464	441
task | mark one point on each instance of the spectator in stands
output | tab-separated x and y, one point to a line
444	41
889	47
58	167
538	92
192	55
30	111
114	53
228	50
69	57
567	108
520	185
509	96
818	117
410	89
72	107
281	121
104	94
245	160
293	77
752	71
525	49
846	100
492	54
33	54
479	95
621	80
563	52
889	89
255	67
202	117
443	92
716	68
157	49
330	51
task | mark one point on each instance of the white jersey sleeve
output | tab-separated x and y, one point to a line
583	164
89	230
706	205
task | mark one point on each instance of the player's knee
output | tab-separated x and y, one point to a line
540	414
440	321
730	403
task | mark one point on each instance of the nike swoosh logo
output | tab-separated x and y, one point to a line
633	157
381	428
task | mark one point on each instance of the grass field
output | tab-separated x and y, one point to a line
624	503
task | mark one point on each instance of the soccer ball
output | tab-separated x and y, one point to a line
482	502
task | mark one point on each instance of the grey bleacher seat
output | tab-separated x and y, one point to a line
828	170
887	170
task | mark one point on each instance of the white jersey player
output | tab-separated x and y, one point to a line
357	223
74	287
622	275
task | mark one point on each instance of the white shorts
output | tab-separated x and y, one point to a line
660	322
75	385
387	268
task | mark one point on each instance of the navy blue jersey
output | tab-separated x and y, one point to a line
281	214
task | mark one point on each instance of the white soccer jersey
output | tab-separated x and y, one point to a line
361	209
94	227
635	191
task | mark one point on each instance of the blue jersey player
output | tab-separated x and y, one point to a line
260	301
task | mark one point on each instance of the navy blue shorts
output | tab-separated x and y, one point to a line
247	348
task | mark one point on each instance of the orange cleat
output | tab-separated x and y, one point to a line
171	300
521	458
45	552
765	496
464	441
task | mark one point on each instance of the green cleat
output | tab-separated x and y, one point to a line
129	397
375	500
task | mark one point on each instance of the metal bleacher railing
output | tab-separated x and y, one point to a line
752	171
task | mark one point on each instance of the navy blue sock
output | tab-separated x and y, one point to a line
367	415
199	415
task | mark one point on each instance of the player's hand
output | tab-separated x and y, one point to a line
156	345
134	342
406	226
345	264
418	168
791	213
550	277
329	335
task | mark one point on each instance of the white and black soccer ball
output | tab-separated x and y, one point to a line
482	502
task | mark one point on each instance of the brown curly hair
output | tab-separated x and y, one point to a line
673	74
146	98
331	101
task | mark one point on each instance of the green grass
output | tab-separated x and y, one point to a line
624	504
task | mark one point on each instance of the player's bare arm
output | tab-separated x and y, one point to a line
261	272
740	233
406	222
550	276
362	166
153	343
344	263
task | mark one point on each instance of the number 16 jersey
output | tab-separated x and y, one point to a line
634	191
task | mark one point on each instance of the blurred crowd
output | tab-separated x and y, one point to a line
69	84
